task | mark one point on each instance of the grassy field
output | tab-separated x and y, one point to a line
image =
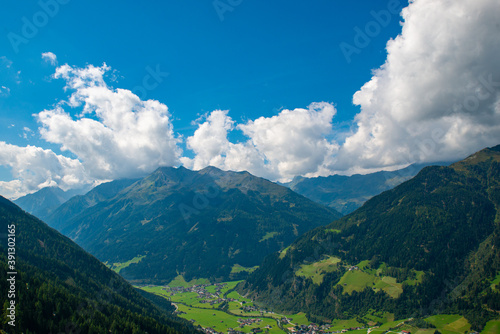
418	279
449	324
116	267
316	271
341	324
179	281
332	230
495	282
357	280
283	252
189	304
492	327
387	326
269	235
375	317
238	269
222	321
222	316
390	286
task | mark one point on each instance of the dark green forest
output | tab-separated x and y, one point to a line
444	222
62	289
199	223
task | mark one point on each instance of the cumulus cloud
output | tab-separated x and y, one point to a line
436	98
112	133
27	132
116	135
50	58
279	147
437	95
34	168
294	142
209	142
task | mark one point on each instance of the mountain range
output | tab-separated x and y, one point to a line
57	287
43	202
347	193
205	224
428	246
340	192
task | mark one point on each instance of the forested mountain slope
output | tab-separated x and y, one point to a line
347	193
429	245
204	224
43	202
59	288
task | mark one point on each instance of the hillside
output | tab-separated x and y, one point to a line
205	224
43	202
347	193
429	245
59	288
79	203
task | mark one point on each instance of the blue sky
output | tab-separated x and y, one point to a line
264	56
253	58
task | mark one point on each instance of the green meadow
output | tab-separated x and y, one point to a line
269	235
117	266
449	324
492	327
223	316
317	270
238	269
179	281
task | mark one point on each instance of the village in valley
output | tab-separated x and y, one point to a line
219	309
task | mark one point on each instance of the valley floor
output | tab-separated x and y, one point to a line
218	308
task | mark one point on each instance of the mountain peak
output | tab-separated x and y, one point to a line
212	171
43	202
201	223
487	154
168	169
494	148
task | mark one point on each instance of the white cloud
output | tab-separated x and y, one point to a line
50	58
279	147
117	134
209	141
294	142
437	95
27	132
34	168
436	98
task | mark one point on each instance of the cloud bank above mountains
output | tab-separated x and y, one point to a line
438	94
437	97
